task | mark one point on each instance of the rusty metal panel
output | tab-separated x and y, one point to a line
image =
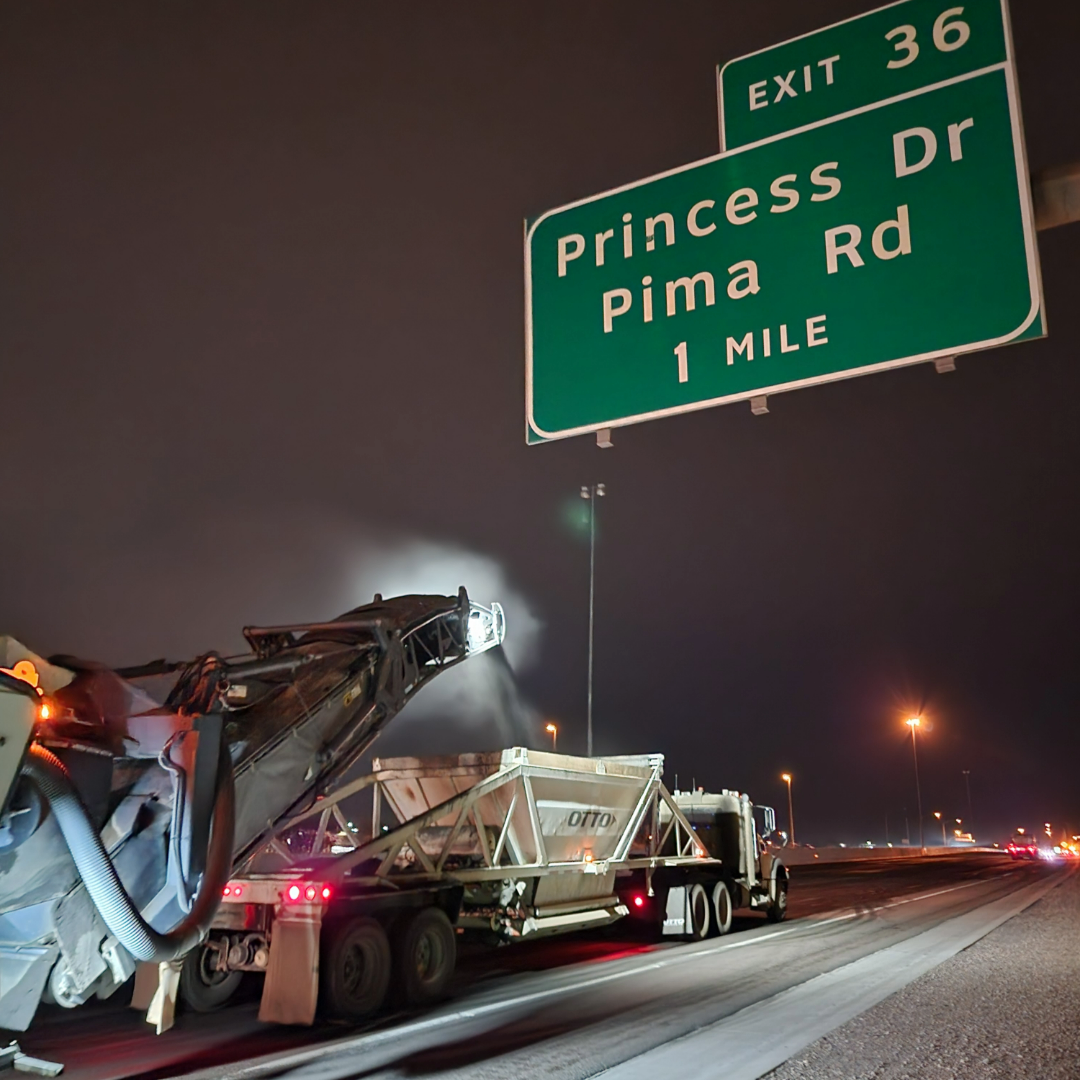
291	989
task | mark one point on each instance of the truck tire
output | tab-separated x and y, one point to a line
425	952
202	987
721	908
698	913
354	969
777	909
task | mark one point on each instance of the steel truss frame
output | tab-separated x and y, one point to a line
508	857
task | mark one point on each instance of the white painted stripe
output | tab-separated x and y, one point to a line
380	1047
757	1039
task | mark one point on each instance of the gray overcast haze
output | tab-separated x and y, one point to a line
261	328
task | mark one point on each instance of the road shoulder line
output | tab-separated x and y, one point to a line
762	1036
472	1018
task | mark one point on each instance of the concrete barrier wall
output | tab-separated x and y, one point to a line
802	856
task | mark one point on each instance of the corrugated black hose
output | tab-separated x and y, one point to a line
116	908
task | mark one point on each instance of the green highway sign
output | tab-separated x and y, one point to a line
899	49
896	233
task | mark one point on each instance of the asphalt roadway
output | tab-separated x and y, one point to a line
609	1001
1003	1009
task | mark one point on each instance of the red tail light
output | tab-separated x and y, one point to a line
301	891
639	901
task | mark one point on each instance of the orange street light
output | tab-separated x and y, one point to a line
914	723
553	731
786	777
941	820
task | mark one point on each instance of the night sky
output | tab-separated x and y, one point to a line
261	328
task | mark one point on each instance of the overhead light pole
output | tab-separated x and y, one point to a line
591	494
914	723
786	777
941	822
553	731
967	788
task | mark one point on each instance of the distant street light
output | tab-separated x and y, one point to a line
967	788
913	723
591	494
786	777
553	731
941	821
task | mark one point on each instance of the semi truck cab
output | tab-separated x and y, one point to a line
725	823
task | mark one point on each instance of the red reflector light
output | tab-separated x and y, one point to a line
326	892
293	892
639	901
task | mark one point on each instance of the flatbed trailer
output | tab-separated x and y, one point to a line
500	846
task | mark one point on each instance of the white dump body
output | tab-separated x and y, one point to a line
553	828
581	806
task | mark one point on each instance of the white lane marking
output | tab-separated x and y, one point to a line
411	1031
428	1026
757	1039
929	895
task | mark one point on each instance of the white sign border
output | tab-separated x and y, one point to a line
800	37
1027	214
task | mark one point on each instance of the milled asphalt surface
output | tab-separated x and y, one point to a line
618	1016
566	1008
1007	1008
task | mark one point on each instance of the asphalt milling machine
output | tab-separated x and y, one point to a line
123	812
191	823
